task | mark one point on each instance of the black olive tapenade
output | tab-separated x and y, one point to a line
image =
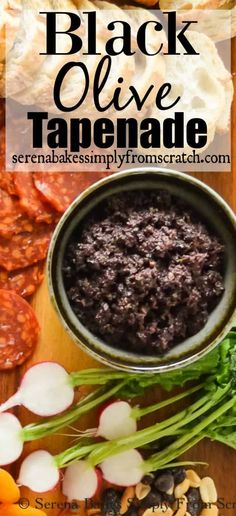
143	272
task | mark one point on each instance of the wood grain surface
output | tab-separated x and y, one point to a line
54	344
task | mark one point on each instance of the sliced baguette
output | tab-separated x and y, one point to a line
25	57
9	24
149	70
40	91
218	25
212	60
202	94
121	65
10	11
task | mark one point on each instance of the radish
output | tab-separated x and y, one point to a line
13	436
116	421
119	419
39	472
81	481
46	389
123	469
10	439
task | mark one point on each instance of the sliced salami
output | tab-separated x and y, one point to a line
15	223
19	330
7	180
24	281
2	112
6	203
30	200
61	188
13	219
25	249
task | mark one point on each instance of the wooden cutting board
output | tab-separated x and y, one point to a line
54	344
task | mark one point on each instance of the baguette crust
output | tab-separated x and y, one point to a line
178	5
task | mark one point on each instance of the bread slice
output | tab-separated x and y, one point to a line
210	56
40	90
122	66
9	24
73	85
219	25
201	90
149	70
24	58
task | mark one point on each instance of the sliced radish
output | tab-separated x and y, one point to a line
81	481
116	421
39	472
11	441
45	390
123	469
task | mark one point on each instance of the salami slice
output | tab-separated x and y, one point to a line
61	188
15	223
19	330
7	181
13	220
6	203
25	249
30	199
24	281
2	112
6	178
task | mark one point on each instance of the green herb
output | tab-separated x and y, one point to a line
217	372
212	415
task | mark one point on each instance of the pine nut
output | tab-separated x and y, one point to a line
142	490
193	478
210	511
208	490
126	499
182	488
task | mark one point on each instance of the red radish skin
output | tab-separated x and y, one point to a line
123	469
116	421
100	482
10	438
45	390
81	481
39	472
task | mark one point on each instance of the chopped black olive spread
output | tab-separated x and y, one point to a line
143	272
